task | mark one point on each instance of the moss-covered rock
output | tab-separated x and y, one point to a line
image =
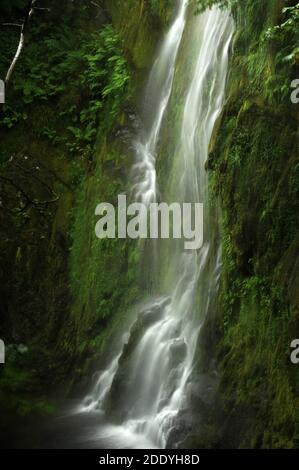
254	171
65	130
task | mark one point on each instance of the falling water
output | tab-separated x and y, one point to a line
156	100
148	380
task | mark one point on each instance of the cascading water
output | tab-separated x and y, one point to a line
156	101
151	374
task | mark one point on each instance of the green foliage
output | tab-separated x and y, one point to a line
66	92
202	5
158	7
286	36
103	273
269	48
256	174
16	385
94	76
254	348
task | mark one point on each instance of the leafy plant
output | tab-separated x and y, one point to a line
286	35
84	83
204	4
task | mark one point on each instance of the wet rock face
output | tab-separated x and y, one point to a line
178	351
145	319
120	401
151	315
204	389
196	418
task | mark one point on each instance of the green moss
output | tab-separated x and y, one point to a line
17	385
73	290
103	273
139	23
254	172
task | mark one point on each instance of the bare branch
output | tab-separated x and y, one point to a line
18	188
42	9
24	27
13	25
30	201
32	175
54	174
95	4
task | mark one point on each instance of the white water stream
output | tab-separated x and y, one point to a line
160	368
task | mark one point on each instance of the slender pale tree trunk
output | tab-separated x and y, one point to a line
24	28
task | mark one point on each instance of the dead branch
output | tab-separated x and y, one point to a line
13	25
28	15
24	27
53	173
30	201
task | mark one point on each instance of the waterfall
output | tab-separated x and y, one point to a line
156	100
146	385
